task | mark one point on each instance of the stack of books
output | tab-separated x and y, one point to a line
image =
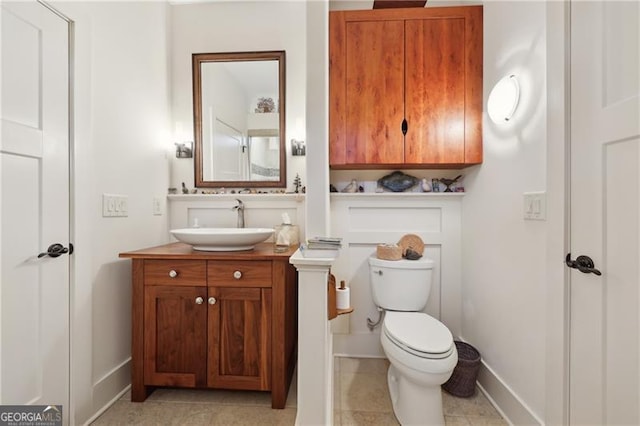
321	247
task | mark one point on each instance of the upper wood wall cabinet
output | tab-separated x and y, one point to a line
405	88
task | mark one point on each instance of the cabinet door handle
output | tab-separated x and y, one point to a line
173	273
405	126
199	300
237	275
212	300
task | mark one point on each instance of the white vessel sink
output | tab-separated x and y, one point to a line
222	239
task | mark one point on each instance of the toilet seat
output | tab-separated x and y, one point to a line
419	334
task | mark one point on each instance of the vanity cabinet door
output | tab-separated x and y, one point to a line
239	338
175	340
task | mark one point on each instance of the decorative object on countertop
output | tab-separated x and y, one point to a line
352	187
389	252
173	190
412	246
194	191
285	234
449	182
297	182
343	300
425	185
435	185
332	188
397	181
184	189
360	188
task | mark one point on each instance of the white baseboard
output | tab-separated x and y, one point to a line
116	382
510	406
358	345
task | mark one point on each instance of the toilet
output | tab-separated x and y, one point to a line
420	348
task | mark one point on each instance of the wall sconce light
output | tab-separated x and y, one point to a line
503	99
184	150
298	147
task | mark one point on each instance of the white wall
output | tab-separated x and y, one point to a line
235	27
120	139
504	256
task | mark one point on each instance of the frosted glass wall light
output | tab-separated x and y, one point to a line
503	99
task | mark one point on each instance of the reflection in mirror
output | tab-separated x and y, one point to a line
238	102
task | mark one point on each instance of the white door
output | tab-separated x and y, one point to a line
34	185
229	152
605	213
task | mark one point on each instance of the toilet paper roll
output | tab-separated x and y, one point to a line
343	299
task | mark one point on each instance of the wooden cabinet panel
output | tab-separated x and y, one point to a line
374	92
175	340
240	338
419	65
249	273
434	88
241	335
175	272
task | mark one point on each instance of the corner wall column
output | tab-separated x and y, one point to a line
315	342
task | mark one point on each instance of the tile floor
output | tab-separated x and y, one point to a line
361	398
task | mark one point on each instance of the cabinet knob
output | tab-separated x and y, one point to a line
237	275
173	273
199	300
212	300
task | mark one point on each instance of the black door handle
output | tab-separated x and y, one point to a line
56	250
583	264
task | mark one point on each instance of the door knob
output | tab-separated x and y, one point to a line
583	264
56	250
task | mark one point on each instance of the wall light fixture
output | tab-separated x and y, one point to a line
184	149
298	147
503	99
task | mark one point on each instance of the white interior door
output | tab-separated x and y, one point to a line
605	213
229	156
34	185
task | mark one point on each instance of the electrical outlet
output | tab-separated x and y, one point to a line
157	206
535	205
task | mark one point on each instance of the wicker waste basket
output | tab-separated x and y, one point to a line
463	380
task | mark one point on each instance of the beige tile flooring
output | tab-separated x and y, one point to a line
360	392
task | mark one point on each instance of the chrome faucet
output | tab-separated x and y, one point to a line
240	209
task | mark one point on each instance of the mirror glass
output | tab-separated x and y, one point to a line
239	119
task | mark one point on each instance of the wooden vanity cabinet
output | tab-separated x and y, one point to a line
405	87
213	320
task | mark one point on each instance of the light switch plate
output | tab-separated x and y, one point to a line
535	205
157	206
115	205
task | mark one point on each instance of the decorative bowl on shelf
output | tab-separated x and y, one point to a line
222	239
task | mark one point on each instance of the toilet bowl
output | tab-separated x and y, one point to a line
420	348
422	355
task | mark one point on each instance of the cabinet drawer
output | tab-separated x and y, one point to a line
238	273
175	272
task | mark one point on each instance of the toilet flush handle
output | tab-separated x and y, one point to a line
378	272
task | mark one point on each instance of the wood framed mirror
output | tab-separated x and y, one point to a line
239	119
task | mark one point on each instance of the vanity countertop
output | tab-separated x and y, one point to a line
262	251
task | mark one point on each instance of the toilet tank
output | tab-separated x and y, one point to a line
400	285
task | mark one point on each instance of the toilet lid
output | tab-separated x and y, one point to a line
419	333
